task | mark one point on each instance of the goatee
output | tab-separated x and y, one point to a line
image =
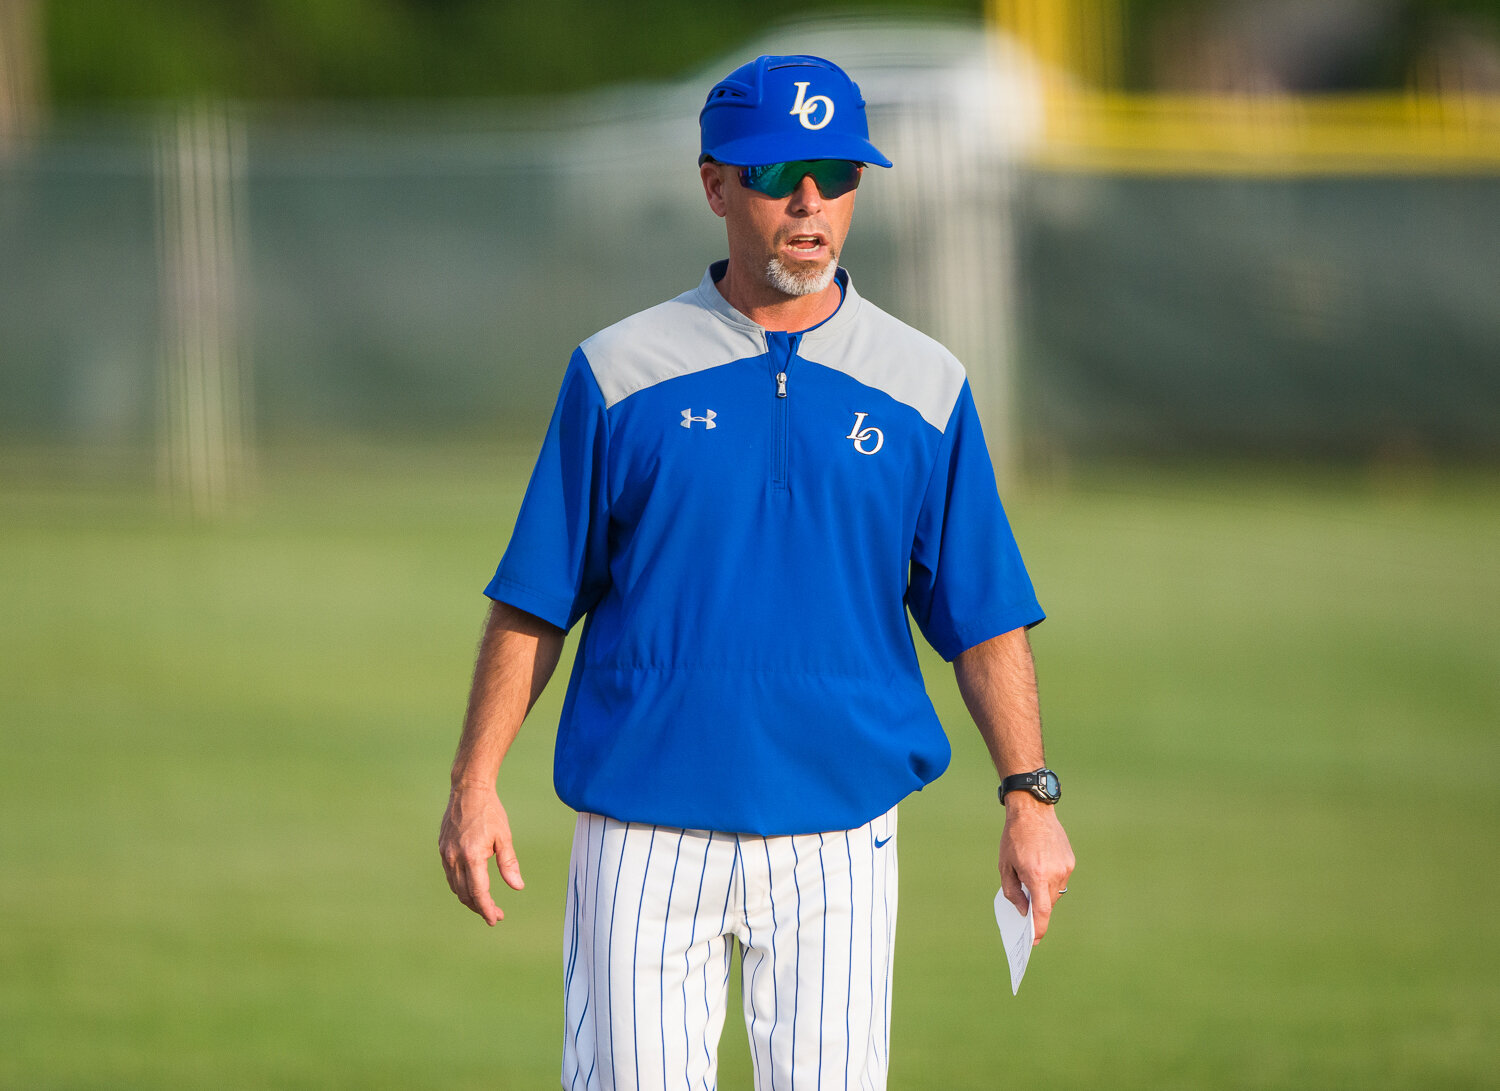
798	282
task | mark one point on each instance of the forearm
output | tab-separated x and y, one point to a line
998	683
997	680
517	656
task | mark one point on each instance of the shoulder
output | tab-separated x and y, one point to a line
675	338
878	349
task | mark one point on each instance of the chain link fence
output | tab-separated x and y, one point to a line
206	280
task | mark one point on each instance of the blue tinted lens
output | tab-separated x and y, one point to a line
833	177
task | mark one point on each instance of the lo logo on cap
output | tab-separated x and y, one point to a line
805	107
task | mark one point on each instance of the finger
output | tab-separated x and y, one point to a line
452	870
1041	913
477	887
509	865
455	883
1010	884
456	871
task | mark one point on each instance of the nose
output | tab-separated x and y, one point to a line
806	197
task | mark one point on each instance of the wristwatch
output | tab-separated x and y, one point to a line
1043	784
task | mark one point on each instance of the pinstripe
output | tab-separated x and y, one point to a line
823	961
594	947
796	958
571	925
577	1060
870	957
571	921
867	1062
889	869
723	921
876	869
885	883
885	920
775	992
661	1019
726	958
849	978
635	954
687	961
568	975
728	889
870	961
749	986
587	888
609	957
687	955
573	939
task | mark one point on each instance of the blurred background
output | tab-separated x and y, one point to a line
286	291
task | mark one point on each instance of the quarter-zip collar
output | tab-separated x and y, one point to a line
829	329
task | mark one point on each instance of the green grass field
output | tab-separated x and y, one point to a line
1274	700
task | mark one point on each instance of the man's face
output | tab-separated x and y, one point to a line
792	243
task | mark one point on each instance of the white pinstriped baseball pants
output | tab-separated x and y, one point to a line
654	915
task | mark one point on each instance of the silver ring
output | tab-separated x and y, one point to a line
1064	890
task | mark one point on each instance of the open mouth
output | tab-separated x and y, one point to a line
806	244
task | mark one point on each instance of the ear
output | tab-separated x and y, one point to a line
713	187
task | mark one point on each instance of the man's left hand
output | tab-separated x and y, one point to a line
1034	850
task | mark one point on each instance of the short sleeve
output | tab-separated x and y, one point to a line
967	580
556	565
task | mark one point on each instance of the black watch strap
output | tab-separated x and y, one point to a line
1042	783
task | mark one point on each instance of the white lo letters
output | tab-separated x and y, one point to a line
805	109
862	435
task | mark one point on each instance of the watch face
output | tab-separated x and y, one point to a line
1050	784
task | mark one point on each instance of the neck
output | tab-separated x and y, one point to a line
771	309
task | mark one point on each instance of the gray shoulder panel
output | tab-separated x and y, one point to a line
880	350
674	338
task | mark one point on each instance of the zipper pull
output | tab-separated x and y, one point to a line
781	384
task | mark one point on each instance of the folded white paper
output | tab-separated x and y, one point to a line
1016	933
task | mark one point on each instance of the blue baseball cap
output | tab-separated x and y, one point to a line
781	109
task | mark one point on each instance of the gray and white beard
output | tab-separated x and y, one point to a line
788	282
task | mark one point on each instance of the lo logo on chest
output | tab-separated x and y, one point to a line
866	440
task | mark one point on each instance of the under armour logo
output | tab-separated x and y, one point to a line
863	436
805	107
708	421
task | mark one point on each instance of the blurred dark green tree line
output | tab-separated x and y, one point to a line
111	49
288	49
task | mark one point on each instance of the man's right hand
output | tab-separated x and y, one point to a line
475	827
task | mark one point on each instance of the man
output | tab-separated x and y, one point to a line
744	490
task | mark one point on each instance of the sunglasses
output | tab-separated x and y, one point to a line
833	177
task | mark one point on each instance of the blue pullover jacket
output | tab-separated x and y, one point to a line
745	517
